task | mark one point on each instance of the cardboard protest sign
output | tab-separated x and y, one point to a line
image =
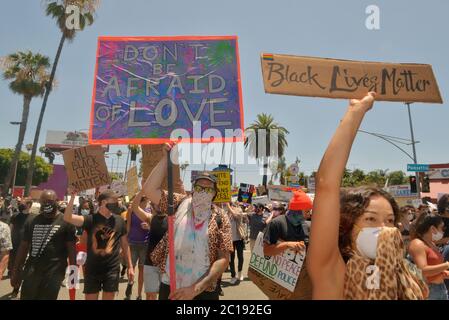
132	183
147	87
151	155
119	187
86	167
35	194
224	186
245	193
332	78
282	270
280	193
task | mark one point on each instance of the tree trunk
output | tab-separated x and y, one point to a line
23	126
29	178
265	174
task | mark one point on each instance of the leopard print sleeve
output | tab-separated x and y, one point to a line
177	199
226	234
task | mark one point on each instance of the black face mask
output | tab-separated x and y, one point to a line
22	207
49	207
113	207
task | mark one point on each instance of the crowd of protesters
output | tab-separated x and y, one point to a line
344	231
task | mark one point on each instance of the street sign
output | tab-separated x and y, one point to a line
418	167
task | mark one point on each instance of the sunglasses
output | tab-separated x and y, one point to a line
198	188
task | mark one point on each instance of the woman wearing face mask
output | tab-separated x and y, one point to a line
424	252
203	238
349	244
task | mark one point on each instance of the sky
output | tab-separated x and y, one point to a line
410	31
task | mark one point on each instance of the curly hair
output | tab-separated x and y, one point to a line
353	202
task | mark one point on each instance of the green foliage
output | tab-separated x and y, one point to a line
42	172
376	178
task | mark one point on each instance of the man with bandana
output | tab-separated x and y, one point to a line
288	232
203	238
48	241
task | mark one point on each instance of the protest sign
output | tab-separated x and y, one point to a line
245	193
332	78
147	87
280	193
35	194
86	167
132	182
151	155
282	270
119	187
224	186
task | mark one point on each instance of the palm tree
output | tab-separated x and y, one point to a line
29	74
57	10
254	132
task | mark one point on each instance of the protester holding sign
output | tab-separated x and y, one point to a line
286	232
425	254
350	233
202	241
48	241
106	234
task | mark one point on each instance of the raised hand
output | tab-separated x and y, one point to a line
364	104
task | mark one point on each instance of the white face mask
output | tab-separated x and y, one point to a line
367	242
437	236
201	205
85	212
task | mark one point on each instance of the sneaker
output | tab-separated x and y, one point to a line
139	298
14	294
233	281
240	276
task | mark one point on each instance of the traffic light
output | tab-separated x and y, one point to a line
426	184
413	188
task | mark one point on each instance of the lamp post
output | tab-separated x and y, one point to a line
118	154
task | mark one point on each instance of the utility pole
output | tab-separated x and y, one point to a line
415	160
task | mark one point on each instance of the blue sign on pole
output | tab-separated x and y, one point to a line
418	167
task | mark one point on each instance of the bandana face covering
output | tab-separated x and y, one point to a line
48	207
201	205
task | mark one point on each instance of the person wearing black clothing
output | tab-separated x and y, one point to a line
17	223
158	228
106	234
49	242
286	232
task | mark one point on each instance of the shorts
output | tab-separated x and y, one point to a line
138	253
108	282
152	279
38	286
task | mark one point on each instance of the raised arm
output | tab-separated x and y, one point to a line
69	217
324	258
152	187
135	207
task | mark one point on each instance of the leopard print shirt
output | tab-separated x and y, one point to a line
220	238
